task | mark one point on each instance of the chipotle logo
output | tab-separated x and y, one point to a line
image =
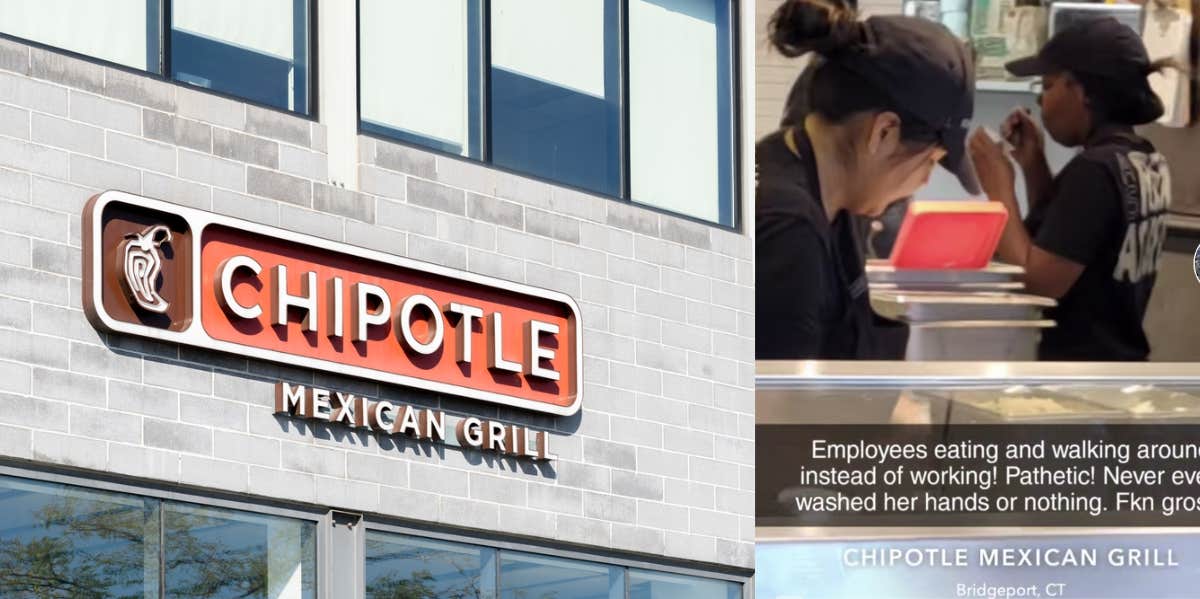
174	273
140	268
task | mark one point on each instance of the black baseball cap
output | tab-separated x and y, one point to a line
929	75
1106	50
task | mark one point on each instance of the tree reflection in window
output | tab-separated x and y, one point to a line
222	553
65	541
529	576
59	541
401	567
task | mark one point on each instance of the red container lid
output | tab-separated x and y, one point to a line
949	235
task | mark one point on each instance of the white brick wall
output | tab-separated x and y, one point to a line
775	73
659	460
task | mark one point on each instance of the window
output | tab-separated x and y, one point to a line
122	31
407	566
681	97
222	553
400	566
258	51
61	540
446	112
253	50
632	99
556	91
526	576
58	541
644	584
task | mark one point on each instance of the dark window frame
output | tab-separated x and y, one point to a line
163	74
733	126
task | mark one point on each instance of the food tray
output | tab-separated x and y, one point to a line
881	271
1013	286
948	234
927	306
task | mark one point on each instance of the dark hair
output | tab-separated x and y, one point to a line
835	92
1125	102
798	27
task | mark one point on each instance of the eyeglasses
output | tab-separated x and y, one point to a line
1038	89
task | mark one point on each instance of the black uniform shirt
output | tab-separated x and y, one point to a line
811	297
1107	211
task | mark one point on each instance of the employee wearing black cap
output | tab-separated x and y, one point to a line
1095	231
877	233
890	99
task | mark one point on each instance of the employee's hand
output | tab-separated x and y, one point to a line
1027	139
995	171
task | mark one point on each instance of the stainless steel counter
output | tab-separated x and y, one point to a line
791	374
978	314
787	534
862	392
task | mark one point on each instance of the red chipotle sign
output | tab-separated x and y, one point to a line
174	273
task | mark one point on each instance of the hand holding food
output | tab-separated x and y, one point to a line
996	173
1026	138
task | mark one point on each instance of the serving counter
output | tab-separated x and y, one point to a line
865	392
826	561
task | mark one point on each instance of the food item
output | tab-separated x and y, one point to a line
1150	402
1025	406
1021	402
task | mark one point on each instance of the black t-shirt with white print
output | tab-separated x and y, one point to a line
1107	211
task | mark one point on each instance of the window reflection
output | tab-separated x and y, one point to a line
525	576
396	39
680	96
400	567
122	31
60	541
556	90
267	40
65	541
644	584
223	553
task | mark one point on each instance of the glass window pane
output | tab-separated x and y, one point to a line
253	50
526	576
64	541
644	584
400	566
120	31
225	553
680	107
555	96
396	39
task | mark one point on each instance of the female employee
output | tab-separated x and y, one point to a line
891	97
1095	231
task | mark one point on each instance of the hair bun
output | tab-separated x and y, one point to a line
801	26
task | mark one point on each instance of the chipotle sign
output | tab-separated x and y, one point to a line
178	274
